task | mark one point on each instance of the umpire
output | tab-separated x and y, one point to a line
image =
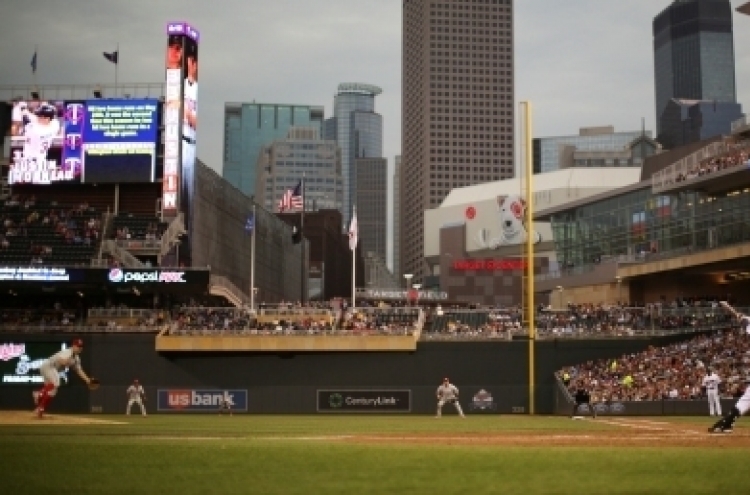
581	397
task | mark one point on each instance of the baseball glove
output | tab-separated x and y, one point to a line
94	383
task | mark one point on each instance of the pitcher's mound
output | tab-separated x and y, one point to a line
29	418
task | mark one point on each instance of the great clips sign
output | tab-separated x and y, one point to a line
156	276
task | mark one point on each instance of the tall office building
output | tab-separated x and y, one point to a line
302	152
372	204
396	222
359	131
458	106
693	54
592	147
248	127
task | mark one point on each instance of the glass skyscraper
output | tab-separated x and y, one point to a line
693	53
359	131
249	127
588	139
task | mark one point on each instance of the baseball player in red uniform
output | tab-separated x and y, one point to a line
448	393
50	371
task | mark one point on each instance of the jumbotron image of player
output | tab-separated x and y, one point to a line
39	135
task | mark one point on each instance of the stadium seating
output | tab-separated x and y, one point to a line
47	233
669	372
128	226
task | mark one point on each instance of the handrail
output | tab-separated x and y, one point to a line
123	255
668	176
222	283
121	312
175	229
8	328
105	232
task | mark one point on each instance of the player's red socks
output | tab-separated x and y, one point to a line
44	396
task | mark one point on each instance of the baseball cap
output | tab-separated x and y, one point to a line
46	110
175	39
445	379
77	343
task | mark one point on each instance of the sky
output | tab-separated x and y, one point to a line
580	64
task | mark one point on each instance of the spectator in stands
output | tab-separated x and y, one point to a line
668	372
4	244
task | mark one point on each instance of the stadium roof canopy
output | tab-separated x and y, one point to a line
568	178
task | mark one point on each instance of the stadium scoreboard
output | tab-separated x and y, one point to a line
89	141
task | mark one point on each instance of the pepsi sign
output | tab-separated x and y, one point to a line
200	400
118	275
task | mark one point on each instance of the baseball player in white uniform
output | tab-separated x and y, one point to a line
448	393
189	120
711	382
726	424
50	371
136	395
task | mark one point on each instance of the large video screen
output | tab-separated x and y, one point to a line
119	140
20	361
93	141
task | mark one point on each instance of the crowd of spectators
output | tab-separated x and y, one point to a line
669	372
296	319
734	155
380	321
45	227
473	324
619	320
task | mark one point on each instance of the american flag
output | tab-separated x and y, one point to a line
292	199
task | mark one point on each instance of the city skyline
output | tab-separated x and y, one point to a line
571	81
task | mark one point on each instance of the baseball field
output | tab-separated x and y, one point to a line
196	454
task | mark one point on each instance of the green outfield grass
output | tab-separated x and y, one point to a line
310	455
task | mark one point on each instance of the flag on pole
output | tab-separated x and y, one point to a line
112	57
33	63
353	231
292	199
250	224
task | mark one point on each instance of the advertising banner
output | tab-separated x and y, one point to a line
41	274
364	401
200	400
20	361
180	117
195	279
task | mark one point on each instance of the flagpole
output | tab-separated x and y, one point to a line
252	262
36	64
354	266
117	64
302	247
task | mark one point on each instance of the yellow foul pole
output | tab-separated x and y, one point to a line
530	238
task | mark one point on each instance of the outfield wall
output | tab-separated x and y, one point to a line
302	382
